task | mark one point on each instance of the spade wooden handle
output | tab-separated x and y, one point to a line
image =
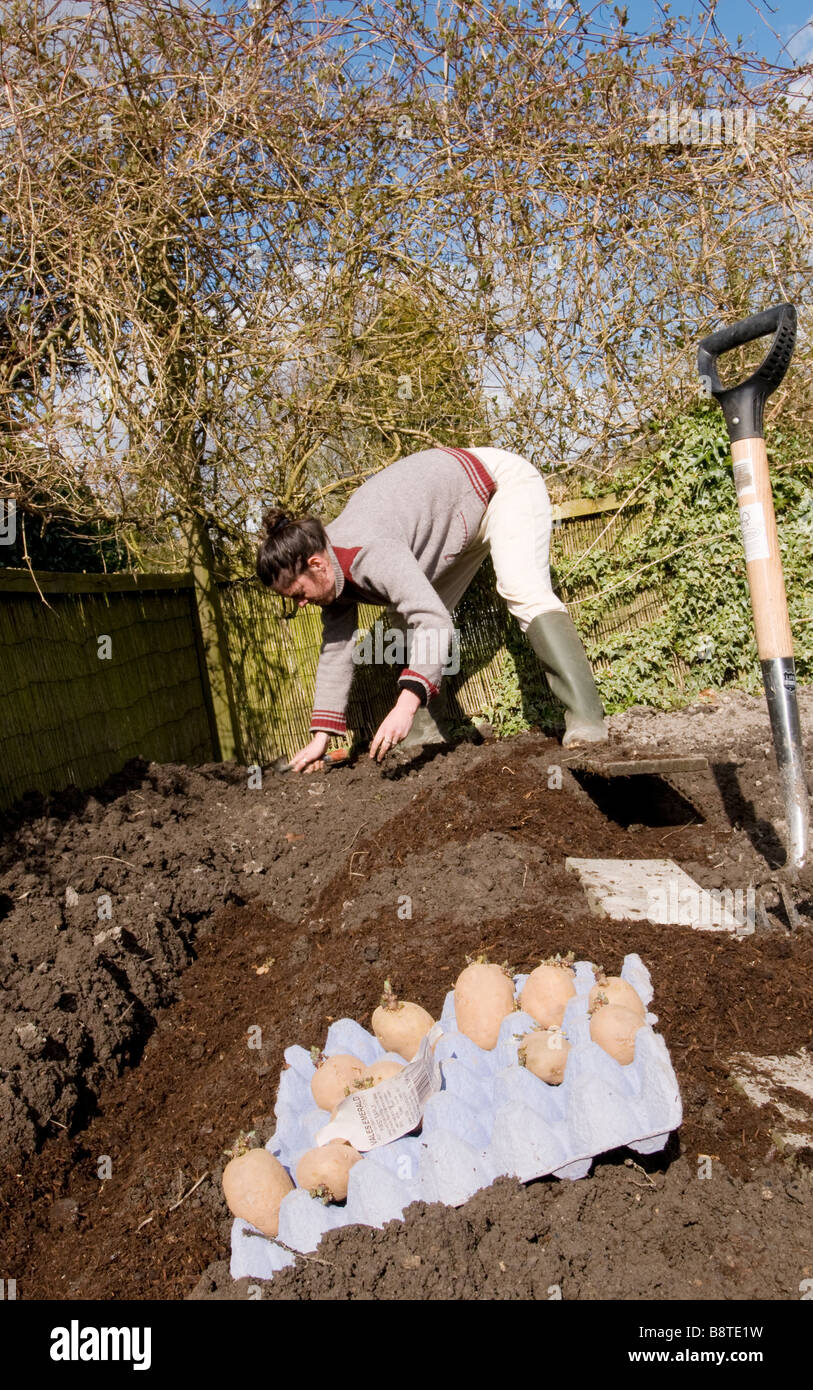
761	540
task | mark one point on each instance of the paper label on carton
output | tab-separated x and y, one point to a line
754	533
371	1118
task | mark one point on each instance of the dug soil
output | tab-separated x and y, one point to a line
163	940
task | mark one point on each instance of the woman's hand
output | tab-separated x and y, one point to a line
309	758
396	726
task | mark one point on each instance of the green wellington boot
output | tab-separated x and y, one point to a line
564	661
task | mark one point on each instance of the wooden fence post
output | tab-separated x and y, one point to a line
221	704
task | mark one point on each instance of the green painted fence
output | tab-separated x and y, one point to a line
96	669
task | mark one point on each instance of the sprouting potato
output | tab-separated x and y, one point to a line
614	1028
324	1171
333	1077
544	1052
254	1185
547	992
400	1026
483	997
611	989
379	1071
369	1079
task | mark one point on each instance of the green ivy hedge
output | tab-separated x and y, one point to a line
691	553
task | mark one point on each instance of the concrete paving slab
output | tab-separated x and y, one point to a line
638	767
767	1081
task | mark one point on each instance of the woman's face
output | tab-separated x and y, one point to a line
316	583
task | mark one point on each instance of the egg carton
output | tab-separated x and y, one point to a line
492	1118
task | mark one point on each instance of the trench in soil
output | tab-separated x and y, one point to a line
125	1046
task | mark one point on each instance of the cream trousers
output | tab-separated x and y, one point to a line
515	531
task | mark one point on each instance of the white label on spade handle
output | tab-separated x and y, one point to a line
371	1118
754	534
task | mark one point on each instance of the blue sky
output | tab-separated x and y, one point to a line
776	31
765	29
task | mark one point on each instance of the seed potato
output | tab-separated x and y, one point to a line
547	993
611	989
544	1052
333	1076
324	1171
254	1185
483	997
614	1028
400	1026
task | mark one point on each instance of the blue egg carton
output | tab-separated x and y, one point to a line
492	1118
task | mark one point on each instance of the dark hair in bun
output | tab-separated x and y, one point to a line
286	546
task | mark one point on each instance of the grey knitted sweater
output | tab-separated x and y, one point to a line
400	531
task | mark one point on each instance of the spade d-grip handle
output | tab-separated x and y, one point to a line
743	405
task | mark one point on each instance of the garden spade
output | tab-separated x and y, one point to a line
743	407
